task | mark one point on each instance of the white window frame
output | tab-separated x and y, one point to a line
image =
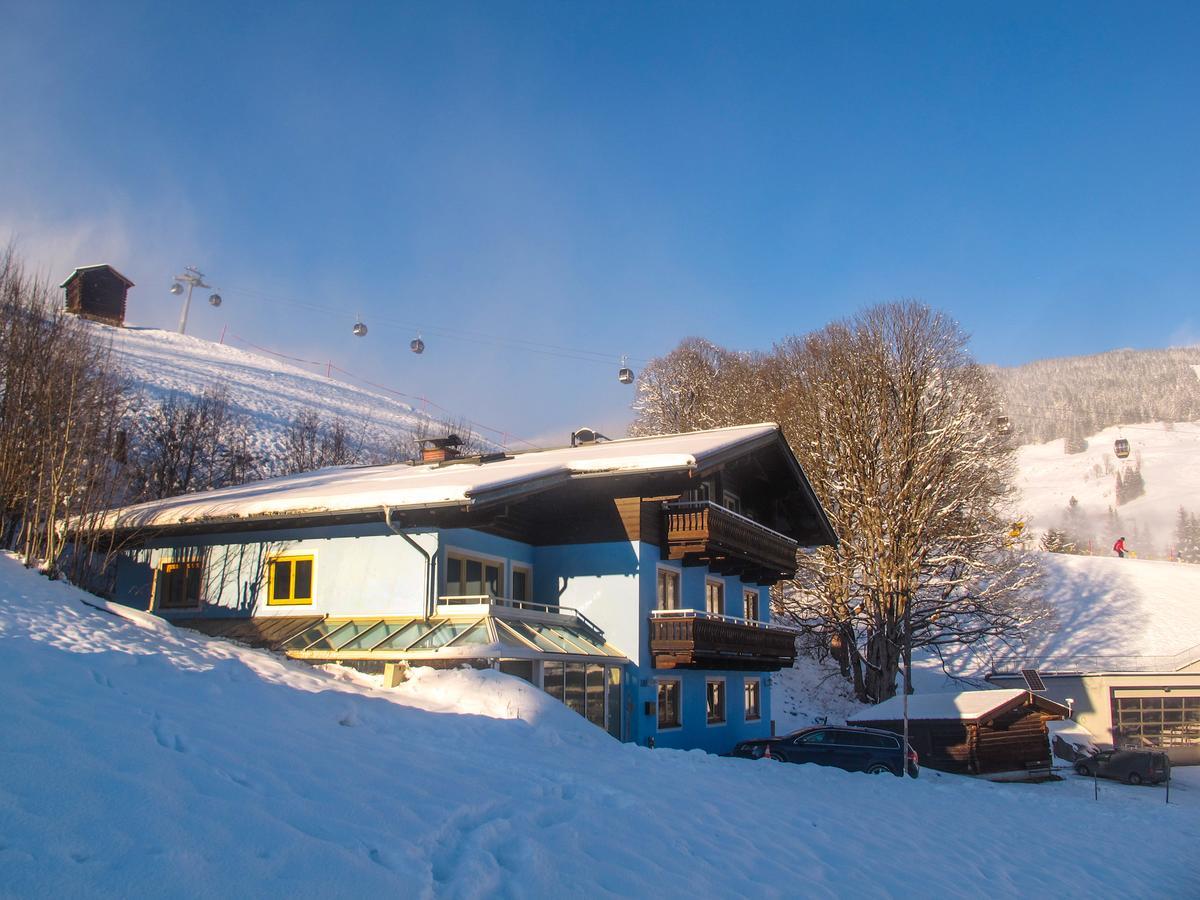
719	582
757	594
678	573
513	567
657	683
757	679
724	701
731	501
462	553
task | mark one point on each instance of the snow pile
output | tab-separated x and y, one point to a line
138	760
268	391
1071	741
1169	457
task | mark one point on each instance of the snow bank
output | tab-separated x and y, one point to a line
965	705
137	761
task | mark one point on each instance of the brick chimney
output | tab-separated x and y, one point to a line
435	450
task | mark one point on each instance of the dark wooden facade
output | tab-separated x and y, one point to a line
704	643
98	293
1010	739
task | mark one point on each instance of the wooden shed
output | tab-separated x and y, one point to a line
97	292
992	733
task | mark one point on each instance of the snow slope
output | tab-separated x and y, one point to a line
1170	464
137	760
269	391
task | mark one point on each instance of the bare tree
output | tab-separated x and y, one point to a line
893	423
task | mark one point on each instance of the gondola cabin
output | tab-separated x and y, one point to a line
998	734
97	293
1121	448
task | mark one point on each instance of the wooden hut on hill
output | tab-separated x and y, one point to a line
1000	734
97	292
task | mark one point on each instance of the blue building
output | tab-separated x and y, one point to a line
629	579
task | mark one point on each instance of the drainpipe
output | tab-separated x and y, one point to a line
430	574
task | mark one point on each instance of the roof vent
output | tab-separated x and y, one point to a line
435	450
581	436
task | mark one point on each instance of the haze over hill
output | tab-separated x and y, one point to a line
1078	396
269	392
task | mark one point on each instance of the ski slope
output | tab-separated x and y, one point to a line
139	760
268	391
1170	464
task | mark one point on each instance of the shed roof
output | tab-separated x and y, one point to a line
78	269
966	706
350	489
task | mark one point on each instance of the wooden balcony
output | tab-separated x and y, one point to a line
688	639
704	533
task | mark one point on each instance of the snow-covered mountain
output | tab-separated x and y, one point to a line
139	760
270	392
1167	456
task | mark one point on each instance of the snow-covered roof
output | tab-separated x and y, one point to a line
79	269
347	489
965	705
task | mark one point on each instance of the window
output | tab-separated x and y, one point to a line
178	585
733	502
700	493
552	679
750	603
715	700
595	694
291	581
522	583
668	589
576	683
670	709
816	737
469	576
753	705
714	596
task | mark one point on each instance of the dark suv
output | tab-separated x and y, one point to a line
1130	766
845	747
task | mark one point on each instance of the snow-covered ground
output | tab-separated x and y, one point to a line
1170	464
267	390
138	760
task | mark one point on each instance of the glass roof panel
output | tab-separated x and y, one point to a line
542	643
354	628
476	634
373	635
404	635
332	637
555	637
306	637
577	637
441	635
508	637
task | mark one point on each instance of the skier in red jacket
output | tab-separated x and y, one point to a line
1119	547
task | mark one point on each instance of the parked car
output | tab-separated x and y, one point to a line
844	747
1130	766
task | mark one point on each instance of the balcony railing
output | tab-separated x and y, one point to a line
690	639
488	602
705	532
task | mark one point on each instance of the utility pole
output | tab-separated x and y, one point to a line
193	278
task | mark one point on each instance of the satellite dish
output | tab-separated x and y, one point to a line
177	288
359	329
214	299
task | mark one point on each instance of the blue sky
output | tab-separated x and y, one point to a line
611	177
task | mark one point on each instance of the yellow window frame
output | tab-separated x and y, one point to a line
292	599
